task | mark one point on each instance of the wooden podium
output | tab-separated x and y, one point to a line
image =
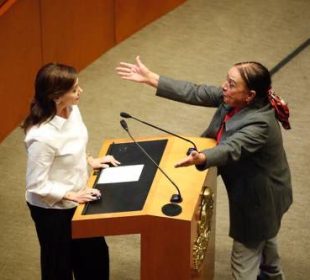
172	247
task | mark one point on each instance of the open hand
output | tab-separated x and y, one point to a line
195	158
137	73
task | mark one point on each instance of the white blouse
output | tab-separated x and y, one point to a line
56	160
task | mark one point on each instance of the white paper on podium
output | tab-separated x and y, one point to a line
120	174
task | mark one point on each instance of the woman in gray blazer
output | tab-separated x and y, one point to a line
250	157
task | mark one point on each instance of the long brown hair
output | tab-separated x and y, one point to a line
52	81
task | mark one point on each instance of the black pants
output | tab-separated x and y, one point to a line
62	256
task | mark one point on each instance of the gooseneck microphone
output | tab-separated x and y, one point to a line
169	209
127	116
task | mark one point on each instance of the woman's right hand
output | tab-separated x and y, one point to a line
137	73
83	196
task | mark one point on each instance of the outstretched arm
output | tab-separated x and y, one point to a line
138	73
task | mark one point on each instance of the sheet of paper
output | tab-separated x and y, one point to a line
120	174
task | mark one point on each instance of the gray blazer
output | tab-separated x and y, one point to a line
250	158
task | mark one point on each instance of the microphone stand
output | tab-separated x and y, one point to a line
170	209
128	116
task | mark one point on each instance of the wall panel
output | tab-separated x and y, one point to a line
132	15
76	32
20	57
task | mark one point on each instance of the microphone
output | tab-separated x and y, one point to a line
169	209
194	148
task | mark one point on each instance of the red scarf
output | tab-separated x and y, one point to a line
280	107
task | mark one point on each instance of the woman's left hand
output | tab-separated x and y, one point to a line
102	162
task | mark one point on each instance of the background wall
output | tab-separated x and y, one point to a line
75	32
20	56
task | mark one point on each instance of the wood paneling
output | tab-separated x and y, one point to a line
132	15
20	58
76	32
5	5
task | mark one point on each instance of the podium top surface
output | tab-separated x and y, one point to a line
125	188
188	179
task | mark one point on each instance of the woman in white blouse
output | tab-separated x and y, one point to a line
56	140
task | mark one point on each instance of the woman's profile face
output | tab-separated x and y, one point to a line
72	97
235	92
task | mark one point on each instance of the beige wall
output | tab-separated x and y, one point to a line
76	32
